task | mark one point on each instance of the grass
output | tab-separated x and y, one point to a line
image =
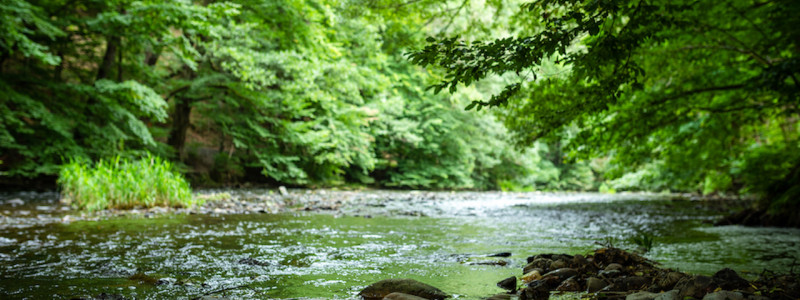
644	242
123	184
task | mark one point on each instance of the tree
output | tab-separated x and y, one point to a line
298	92
705	91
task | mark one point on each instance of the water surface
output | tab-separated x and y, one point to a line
432	237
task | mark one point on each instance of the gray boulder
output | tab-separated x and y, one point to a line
381	289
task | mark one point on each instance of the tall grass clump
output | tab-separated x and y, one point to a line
123	184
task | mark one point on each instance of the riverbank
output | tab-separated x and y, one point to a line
39	208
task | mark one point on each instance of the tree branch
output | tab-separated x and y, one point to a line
697	91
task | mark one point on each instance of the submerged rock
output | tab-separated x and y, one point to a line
489	263
509	283
253	262
381	289
502	297
402	296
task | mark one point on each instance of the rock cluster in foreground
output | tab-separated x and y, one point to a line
609	273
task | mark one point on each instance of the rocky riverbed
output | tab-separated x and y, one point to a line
608	273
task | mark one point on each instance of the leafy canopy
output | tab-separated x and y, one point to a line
704	92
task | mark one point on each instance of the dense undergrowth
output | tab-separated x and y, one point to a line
123	184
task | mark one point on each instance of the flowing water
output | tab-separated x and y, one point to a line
437	238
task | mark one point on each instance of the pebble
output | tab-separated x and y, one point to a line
641	296
562	274
594	284
531	276
613	266
724	295
670	295
558	264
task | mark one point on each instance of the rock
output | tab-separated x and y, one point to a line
578	260
539	263
502	297
610	273
253	262
670	295
558	264
562	274
641	296
594	284
166	280
569	285
501	254
551	283
531	276
668	281
695	286
509	283
15	202
283	191
613	266
727	279
380	289
630	283
489	263
724	295
401	296
537	292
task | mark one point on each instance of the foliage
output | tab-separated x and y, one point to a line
687	95
643	241
123	183
297	92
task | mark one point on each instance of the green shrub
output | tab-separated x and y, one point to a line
122	183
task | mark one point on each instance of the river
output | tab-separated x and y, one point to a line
440	238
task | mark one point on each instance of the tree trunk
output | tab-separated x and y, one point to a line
180	124
151	58
107	66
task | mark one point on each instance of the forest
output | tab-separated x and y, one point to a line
696	97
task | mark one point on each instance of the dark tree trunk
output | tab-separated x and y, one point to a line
180	124
151	58
60	67
107	66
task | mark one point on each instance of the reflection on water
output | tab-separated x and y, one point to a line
374	236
